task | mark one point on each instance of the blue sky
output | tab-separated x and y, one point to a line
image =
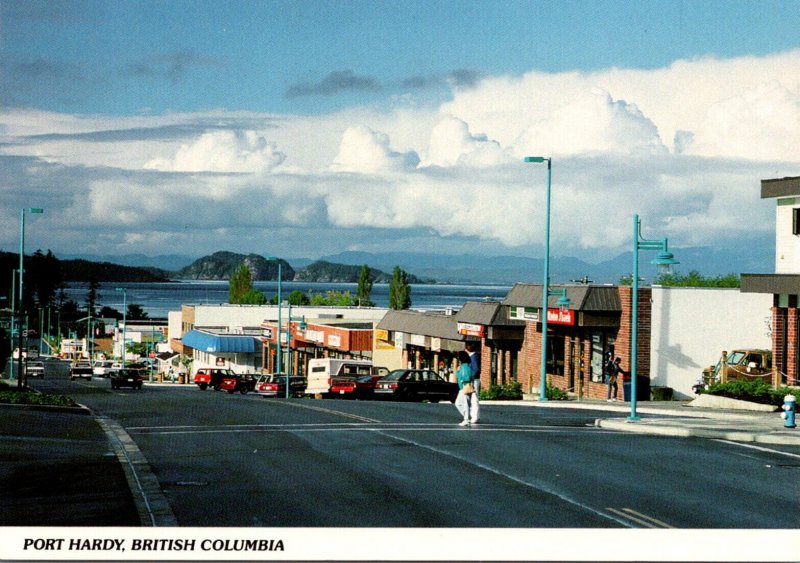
309	128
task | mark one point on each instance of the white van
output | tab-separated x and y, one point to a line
321	371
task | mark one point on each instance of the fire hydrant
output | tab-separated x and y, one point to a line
789	404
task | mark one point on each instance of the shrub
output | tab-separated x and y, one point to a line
31	398
755	391
509	391
554	393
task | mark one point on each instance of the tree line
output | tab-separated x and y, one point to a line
242	292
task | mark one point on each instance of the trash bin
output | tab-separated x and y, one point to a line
642	389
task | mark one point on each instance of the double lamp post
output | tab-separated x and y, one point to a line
665	260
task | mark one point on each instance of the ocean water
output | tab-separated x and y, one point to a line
157	299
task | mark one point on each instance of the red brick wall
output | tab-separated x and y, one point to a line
530	356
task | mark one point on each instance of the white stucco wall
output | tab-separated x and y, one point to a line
787	244
227	316
691	327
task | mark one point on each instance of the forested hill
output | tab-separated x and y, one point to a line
221	265
322	271
49	267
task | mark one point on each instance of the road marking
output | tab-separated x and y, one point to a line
544	487
346	426
331	411
759	448
639	518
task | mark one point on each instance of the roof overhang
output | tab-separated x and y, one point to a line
219	343
776	284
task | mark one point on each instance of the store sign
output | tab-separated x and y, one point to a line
381	334
559	317
315	336
436	344
334	340
266	333
467	329
399	340
524	313
416	339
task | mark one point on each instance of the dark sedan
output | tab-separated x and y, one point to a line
416	385
127	377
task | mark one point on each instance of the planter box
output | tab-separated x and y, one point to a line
661	393
718	402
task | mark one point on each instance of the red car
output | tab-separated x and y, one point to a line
211	377
241	382
361	387
271	385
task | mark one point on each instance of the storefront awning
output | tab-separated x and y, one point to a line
219	343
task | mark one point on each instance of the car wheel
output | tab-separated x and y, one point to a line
216	387
203	386
139	387
230	391
243	390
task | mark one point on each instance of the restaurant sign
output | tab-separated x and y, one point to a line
559	317
469	329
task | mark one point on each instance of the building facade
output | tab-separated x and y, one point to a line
784	284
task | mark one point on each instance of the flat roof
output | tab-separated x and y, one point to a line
780	187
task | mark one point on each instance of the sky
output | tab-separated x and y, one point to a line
304	129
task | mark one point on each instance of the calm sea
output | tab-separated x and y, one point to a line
159	298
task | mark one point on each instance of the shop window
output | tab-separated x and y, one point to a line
796	221
555	355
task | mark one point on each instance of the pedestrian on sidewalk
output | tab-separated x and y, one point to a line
466	390
613	370
475	365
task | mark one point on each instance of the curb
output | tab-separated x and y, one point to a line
151	503
77	409
773	437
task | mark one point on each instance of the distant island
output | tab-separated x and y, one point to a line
217	266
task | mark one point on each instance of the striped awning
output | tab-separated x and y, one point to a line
219	343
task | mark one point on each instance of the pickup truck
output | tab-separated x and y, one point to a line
744	363
34	369
80	369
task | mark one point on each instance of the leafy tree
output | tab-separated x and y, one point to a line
692	279
109	313
297	298
399	290
253	297
331	298
136	313
364	288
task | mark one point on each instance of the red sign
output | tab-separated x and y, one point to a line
468	329
559	317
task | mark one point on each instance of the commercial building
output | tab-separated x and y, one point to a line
784	284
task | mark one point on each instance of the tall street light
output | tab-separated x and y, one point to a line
20	373
13	318
664	261
280	306
124	320
546	293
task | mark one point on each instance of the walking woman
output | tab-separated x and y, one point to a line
465	388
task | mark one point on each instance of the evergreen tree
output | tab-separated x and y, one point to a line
92	296
241	288
399	290
364	288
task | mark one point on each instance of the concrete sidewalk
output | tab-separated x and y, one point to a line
680	419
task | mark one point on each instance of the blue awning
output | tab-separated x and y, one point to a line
219	343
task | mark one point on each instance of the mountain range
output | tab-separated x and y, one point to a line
757	257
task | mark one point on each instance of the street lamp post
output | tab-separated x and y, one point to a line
546	292
664	261
124	320
20	373
13	318
280	306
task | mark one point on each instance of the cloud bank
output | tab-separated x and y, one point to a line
684	146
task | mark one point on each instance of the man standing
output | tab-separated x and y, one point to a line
475	364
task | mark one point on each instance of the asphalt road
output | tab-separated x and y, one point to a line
233	460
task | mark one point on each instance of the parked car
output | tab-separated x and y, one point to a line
359	387
80	369
323	371
34	368
103	368
416	385
126	377
211	377
271	385
241	382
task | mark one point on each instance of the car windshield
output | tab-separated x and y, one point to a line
735	357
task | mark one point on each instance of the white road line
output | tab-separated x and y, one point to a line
533	485
759	448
